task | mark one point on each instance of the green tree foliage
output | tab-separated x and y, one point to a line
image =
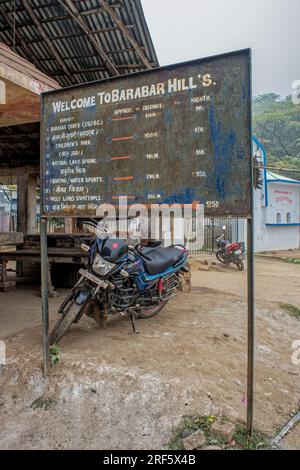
277	124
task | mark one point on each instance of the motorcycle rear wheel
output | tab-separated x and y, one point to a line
145	313
220	257
64	322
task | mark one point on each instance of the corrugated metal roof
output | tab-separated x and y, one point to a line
71	42
275	178
45	33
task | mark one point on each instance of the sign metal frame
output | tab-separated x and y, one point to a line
250	247
228	162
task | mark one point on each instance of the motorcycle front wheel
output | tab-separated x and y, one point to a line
240	264
150	312
64	322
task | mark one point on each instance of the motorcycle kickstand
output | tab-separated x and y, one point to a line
133	324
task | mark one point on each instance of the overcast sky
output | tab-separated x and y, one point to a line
190	29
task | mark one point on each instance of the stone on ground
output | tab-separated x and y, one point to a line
223	430
194	441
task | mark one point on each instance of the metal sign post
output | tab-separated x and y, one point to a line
44	293
251	317
250	291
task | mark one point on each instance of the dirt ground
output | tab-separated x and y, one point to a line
113	390
283	254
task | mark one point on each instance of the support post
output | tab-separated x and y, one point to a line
31	204
213	235
22	199
250	279
68	225
44	291
251	326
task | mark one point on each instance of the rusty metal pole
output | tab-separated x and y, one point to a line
44	294
250	280
251	327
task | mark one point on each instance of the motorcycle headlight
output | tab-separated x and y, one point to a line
101	266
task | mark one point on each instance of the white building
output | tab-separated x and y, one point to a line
276	210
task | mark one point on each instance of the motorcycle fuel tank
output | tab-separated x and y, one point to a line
113	249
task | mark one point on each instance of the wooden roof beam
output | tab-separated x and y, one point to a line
27	49
95	11
69	6
54	4
88	56
72	35
53	19
117	20
57	73
51	46
97	30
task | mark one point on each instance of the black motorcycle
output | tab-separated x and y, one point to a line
121	279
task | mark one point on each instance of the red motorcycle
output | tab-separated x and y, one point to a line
230	253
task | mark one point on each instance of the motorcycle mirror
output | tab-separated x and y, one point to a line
102	229
224	228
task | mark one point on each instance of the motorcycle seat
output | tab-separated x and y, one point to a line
158	260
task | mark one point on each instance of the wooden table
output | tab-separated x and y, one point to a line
33	255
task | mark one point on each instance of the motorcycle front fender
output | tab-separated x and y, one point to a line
79	294
82	297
